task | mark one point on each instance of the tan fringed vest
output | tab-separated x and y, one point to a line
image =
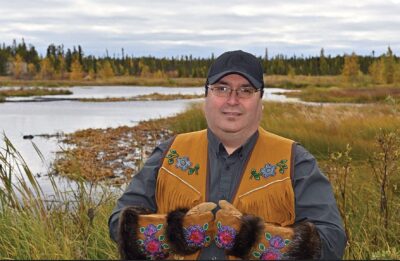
265	189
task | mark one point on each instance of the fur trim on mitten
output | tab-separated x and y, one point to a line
175	232
127	233
250	232
306	243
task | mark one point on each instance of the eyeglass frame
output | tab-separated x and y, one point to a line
209	86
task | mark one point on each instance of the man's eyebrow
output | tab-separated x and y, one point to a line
222	82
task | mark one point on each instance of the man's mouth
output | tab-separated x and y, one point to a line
231	113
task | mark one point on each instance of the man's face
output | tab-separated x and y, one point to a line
232	114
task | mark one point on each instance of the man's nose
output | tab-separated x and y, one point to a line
233	98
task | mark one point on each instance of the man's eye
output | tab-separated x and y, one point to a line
221	88
246	90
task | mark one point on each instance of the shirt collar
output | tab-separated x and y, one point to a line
216	147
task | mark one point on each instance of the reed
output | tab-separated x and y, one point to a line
70	225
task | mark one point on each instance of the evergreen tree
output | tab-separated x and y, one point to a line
389	66
68	60
323	64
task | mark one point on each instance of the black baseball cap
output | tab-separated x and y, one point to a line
239	62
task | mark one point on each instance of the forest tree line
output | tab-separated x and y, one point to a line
22	61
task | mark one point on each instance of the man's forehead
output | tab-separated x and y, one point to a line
235	78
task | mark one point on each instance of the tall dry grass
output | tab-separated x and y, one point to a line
70	225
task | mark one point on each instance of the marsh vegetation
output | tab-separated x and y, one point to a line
357	148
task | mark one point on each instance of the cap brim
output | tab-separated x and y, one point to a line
257	84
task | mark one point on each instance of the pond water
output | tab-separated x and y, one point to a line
33	116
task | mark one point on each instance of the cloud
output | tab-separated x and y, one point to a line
175	27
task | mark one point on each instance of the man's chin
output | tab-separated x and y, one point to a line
231	130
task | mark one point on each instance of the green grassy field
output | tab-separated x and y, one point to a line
76	229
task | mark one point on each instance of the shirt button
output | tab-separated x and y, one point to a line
227	168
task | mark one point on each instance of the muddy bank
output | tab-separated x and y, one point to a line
113	154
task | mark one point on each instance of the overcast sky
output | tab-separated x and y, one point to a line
201	27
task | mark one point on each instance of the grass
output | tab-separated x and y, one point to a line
69	231
146	97
347	95
301	81
26	92
70	226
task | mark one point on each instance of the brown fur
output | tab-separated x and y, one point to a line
250	232
306	243
127	233
175	234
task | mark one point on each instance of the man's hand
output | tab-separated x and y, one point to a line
190	230
201	208
228	209
227	225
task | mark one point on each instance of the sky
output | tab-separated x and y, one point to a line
200	28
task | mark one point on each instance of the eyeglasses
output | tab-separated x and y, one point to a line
222	90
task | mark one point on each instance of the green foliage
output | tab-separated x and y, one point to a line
323	64
60	61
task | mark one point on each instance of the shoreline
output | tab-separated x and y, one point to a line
112	154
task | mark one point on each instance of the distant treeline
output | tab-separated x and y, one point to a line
24	62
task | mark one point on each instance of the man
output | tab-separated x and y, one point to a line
273	201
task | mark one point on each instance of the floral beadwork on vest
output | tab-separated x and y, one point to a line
195	235
273	252
269	170
182	163
225	237
152	246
